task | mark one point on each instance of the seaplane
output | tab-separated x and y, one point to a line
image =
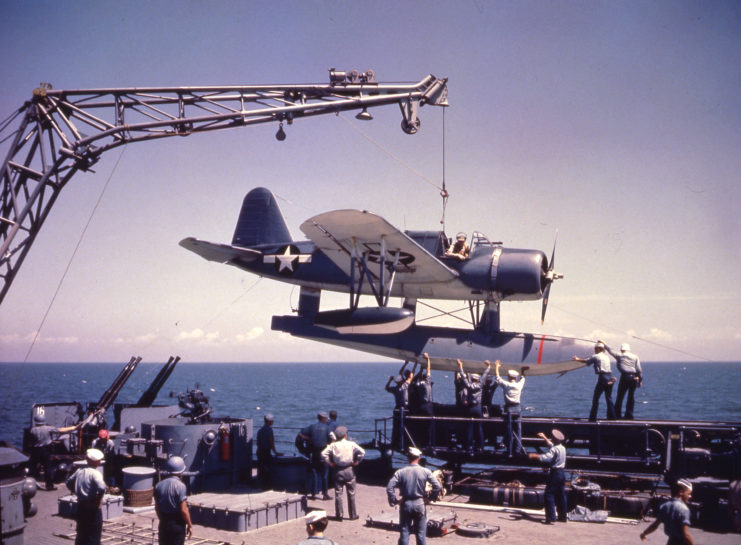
360	253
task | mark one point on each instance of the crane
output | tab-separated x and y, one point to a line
59	132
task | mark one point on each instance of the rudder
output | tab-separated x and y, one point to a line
260	220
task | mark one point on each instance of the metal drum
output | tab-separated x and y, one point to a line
138	484
12	494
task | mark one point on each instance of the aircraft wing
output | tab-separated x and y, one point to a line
221	253
336	233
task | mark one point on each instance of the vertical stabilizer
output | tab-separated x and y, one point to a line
260	221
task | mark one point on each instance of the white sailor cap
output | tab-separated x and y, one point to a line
512	373
315	516
558	435
414	452
624	347
684	483
600	345
94	455
268	417
475	376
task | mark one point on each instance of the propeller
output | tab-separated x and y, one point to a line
549	276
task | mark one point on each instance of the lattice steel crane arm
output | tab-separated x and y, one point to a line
63	131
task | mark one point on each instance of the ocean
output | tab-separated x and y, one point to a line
295	392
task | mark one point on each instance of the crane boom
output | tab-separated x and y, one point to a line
58	132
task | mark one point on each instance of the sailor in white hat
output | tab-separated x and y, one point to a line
512	389
411	482
316	523
675	515
631	377
88	485
555	486
601	362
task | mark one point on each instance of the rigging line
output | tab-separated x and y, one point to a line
17	376
230	305
444	192
74	253
638	338
390	154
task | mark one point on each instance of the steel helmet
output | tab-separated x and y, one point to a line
39	418
175	465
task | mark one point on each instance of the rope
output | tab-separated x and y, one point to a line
636	337
390	154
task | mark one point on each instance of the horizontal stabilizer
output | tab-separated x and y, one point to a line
221	253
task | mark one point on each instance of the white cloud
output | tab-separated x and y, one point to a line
252	334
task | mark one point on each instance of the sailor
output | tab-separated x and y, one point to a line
171	505
318	434
41	447
401	398
601	362
411	482
512	389
342	456
631	377
423	385
88	485
316	523
487	397
555	489
474	387
461	392
332	423
104	444
460	249
675	514
265	451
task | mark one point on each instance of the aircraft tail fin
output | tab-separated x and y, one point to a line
260	221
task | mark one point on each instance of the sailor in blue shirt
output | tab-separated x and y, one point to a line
601	362
474	388
88	485
555	487
411	482
675	515
42	435
319	435
170	502
265	451
400	390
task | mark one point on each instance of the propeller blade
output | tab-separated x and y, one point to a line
552	262
545	303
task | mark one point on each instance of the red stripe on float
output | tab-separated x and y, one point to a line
540	350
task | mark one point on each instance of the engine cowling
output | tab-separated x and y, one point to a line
513	274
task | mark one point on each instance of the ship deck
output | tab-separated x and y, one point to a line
517	526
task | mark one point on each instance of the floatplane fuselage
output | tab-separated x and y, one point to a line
360	253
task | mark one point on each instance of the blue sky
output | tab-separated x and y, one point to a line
617	123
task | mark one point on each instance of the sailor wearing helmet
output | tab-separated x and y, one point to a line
88	485
601	362
460	249
170	502
41	447
631	376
